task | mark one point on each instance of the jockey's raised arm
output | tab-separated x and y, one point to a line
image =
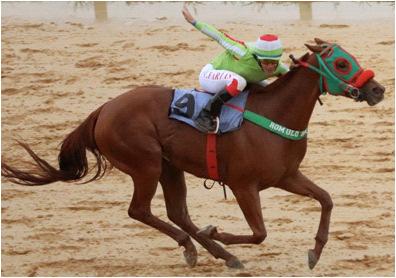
229	72
234	46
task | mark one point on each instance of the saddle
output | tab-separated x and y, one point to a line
188	103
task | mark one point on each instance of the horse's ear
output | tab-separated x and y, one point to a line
320	42
304	57
314	48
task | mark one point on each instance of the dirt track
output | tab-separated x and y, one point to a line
54	75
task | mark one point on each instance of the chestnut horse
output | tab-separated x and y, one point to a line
133	133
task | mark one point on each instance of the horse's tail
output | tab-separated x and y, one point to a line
73	162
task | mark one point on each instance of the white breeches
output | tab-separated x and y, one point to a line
214	81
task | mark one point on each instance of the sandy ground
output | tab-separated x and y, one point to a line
54	75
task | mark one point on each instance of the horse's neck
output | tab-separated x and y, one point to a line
291	101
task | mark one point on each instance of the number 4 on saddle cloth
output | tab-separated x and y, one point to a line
187	104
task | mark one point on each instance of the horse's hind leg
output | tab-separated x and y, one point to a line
175	193
145	184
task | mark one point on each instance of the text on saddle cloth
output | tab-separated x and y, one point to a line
188	103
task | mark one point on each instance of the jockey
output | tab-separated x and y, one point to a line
228	74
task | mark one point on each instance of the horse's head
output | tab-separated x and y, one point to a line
341	74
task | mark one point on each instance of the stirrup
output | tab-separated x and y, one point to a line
217	126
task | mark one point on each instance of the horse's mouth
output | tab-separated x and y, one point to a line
373	100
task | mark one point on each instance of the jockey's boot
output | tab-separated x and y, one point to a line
208	120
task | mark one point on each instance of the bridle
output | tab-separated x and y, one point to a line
333	80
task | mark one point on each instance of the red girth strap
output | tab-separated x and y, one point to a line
211	157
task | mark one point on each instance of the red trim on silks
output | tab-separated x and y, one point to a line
363	78
240	109
211	157
232	88
234	39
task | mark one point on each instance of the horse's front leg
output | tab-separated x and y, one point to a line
299	184
249	201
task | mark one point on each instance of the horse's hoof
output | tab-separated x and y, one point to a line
312	259
191	257
207	231
234	263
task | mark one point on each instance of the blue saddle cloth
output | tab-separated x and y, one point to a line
188	103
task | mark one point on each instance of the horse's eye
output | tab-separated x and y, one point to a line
342	64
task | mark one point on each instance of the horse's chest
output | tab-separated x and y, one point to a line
281	161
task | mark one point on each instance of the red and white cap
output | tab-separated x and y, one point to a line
267	46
